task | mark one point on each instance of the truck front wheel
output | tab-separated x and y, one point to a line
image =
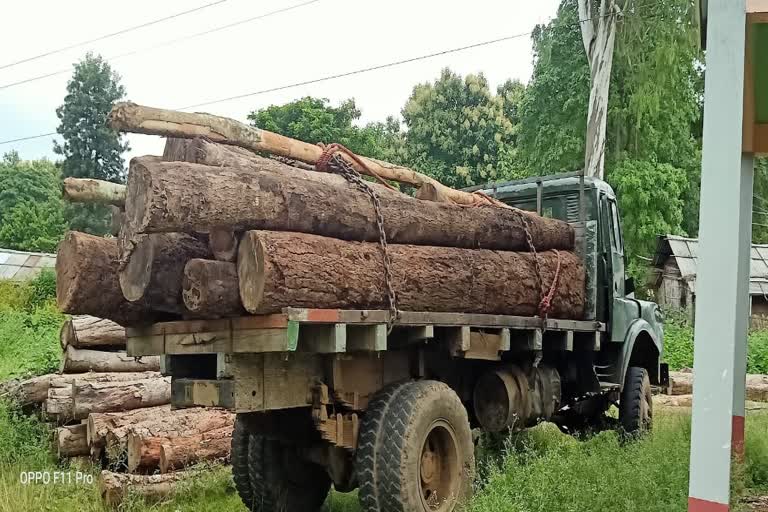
636	402
416	452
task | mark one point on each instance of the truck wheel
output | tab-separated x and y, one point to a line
282	480
239	456
419	457
636	403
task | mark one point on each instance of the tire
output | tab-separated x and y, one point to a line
636	402
415	452
282	480
239	457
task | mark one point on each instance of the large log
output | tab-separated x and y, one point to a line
154	271
115	487
79	190
59	405
184	197
756	385
72	441
210	288
35	390
91	397
130	117
76	360
85	331
278	270
87	283
179	452
139	443
101	423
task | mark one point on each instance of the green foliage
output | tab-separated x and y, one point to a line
91	149
460	132
757	355
31	209
42	289
22	437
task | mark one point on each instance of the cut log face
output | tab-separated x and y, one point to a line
87	283
210	288
278	270
72	441
91	397
77	360
154	271
184	197
84	331
179	452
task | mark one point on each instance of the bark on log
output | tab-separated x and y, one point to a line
77	360
100	424
223	244
72	441
87	283
117	216
179	452
278	270
756	385
84	331
155	269
184	197
130	117
79	190
210	288
91	397
35	390
59	405
115	487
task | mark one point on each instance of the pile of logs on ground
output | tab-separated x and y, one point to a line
114	411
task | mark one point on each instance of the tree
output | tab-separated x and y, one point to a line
459	132
91	149
31	209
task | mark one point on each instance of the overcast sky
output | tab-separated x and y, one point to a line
322	38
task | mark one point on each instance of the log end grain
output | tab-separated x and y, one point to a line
251	260
210	288
135	275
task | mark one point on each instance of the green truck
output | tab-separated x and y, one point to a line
348	398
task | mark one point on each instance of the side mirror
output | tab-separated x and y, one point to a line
629	286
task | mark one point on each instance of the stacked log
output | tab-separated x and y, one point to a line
75	360
681	383
85	331
115	487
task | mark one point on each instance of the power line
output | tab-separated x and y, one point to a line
29	138
166	43
112	34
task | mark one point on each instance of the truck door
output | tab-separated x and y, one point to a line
617	249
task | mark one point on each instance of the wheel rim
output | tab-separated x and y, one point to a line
439	471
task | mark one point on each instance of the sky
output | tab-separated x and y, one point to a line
321	38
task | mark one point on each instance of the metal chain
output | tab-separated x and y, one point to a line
342	167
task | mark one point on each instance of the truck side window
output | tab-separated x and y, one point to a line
615	227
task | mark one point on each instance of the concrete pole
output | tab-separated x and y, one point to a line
722	285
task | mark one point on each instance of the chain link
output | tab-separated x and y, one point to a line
342	167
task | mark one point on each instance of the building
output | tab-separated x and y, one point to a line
21	265
673	276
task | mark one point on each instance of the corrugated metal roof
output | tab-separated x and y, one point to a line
685	252
20	265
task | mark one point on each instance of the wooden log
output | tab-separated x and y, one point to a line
223	244
114	487
184	197
756	385
130	117
117	215
101	423
91	397
79	190
87	283
179	452
85	331
59	406
278	270
76	360
154	271
210	288
35	390
72	441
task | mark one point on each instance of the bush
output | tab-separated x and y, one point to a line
42	289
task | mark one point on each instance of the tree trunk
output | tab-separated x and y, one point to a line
155	269
72	441
152	488
278	270
211	289
79	190
84	331
598	37
174	196
756	385
179	452
91	397
129	117
75	360
59	405
99	424
35	390
87	283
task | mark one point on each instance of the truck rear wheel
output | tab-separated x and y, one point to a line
415	452
282	480
239	457
636	402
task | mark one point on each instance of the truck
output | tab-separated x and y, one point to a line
359	399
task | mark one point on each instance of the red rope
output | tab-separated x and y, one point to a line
546	301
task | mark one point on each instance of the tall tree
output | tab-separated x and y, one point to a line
91	149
